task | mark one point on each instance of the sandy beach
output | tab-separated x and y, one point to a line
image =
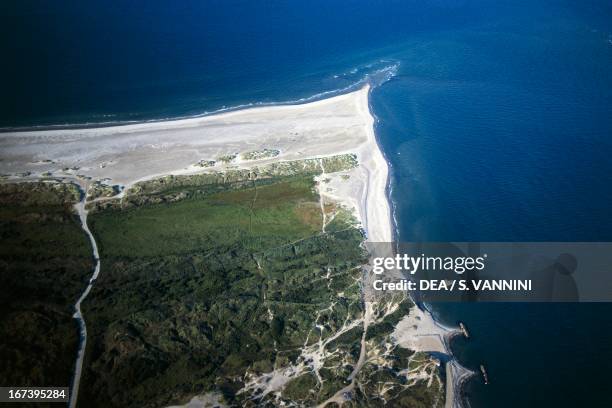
126	154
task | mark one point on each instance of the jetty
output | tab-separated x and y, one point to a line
464	330
485	376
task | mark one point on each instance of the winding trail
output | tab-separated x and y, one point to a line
341	396
78	315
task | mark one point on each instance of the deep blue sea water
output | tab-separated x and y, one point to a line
497	124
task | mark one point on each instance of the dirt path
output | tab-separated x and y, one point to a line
78	315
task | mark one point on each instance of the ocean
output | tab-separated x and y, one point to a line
495	117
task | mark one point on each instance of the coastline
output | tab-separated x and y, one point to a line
430	336
124	155
129	153
419	330
103	124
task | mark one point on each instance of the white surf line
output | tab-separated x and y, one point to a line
78	315
373	201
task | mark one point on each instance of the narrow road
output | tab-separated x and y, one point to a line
78	315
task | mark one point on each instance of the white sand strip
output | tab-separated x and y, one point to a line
130	153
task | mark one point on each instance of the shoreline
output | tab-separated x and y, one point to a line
439	336
387	71
126	154
255	107
375	207
436	337
251	105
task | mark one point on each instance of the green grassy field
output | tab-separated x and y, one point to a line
208	283
184	301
